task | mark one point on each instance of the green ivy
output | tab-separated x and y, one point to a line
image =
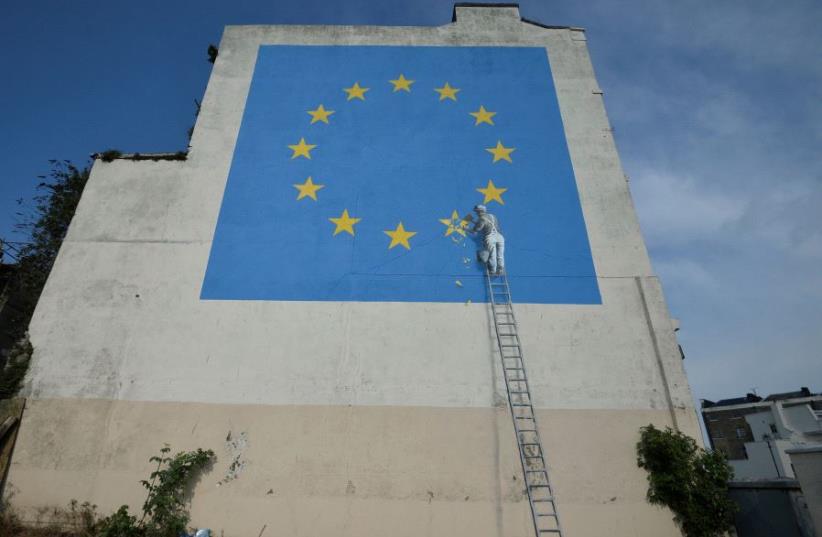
690	481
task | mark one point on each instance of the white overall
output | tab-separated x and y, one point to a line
494	242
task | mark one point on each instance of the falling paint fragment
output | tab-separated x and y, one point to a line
458	283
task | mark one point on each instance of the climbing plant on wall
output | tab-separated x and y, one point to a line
690	481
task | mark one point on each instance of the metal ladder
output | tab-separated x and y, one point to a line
537	484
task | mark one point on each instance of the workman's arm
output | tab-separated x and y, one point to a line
467	220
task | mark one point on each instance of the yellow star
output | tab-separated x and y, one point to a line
400	236
492	193
308	189
320	114
402	83
447	92
483	116
454	224
356	92
301	149
344	223
501	152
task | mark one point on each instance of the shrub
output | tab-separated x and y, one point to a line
691	482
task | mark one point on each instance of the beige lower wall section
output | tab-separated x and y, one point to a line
343	470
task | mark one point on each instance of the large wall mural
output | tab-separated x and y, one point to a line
354	167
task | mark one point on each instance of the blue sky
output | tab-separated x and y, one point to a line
716	107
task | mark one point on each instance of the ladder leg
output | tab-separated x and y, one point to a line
532	458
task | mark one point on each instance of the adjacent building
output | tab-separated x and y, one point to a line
756	433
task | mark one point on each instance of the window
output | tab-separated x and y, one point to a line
773	428
717	434
741	433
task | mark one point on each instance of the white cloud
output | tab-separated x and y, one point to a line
674	209
687	274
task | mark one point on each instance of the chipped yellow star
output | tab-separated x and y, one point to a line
400	236
320	114
302	149
455	224
492	193
308	189
402	83
501	152
483	116
344	223
356	92
447	92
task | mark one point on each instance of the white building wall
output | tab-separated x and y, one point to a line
761	423
389	418
801	419
763	462
808	465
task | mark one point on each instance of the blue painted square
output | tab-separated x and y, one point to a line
398	156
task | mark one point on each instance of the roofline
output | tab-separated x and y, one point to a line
510	4
479	4
113	154
763	403
800	450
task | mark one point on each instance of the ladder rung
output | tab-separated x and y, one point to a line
550	531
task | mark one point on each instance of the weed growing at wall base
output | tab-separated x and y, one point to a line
164	513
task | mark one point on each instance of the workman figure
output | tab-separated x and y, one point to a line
488	225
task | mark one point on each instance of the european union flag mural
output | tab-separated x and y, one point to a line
355	165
